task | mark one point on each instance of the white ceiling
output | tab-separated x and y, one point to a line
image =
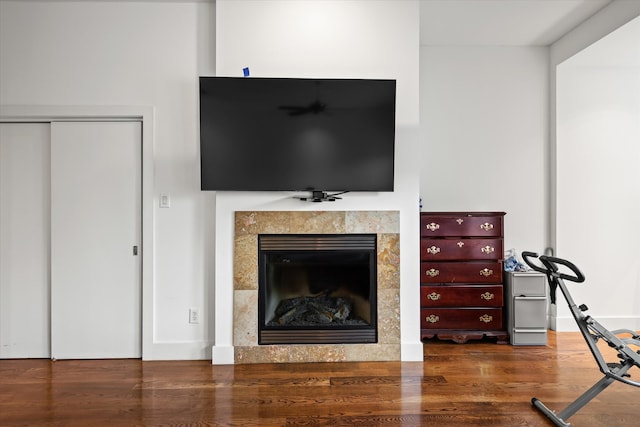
502	22
491	22
620	48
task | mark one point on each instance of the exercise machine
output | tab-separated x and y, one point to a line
625	342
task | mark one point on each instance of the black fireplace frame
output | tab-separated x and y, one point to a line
273	244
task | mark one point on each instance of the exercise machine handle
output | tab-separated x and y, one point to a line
551	266
577	276
526	255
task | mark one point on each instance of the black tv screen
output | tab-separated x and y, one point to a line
294	134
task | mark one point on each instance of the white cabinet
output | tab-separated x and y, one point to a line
526	307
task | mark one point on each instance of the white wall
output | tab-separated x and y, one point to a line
484	133
607	21
333	39
598	176
133	54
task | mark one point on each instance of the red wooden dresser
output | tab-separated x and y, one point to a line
461	276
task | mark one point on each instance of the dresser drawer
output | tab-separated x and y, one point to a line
461	296
434	225
461	318
460	249
461	272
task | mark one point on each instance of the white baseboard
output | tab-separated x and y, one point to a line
222	355
568	324
196	350
412	352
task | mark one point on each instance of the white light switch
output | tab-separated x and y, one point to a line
165	201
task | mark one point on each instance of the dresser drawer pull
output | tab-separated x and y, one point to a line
432	318
432	272
460	244
433	296
433	226
487	296
487	250
459	221
433	250
486	226
486	272
486	318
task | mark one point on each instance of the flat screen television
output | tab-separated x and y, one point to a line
297	134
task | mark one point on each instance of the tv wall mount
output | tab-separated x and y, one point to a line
322	196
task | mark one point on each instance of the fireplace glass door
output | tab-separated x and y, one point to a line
317	289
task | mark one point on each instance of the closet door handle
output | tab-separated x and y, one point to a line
135	250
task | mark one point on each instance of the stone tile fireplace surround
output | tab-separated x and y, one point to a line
248	225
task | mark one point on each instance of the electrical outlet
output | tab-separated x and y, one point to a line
194	316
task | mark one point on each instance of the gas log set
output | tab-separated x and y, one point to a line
313	310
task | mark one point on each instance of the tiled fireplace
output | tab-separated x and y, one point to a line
250	225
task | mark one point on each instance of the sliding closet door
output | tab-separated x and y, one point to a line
24	240
95	240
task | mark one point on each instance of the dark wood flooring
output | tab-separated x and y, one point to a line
473	384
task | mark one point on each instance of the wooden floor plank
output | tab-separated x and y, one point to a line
472	384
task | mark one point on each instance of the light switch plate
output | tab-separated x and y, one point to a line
165	201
